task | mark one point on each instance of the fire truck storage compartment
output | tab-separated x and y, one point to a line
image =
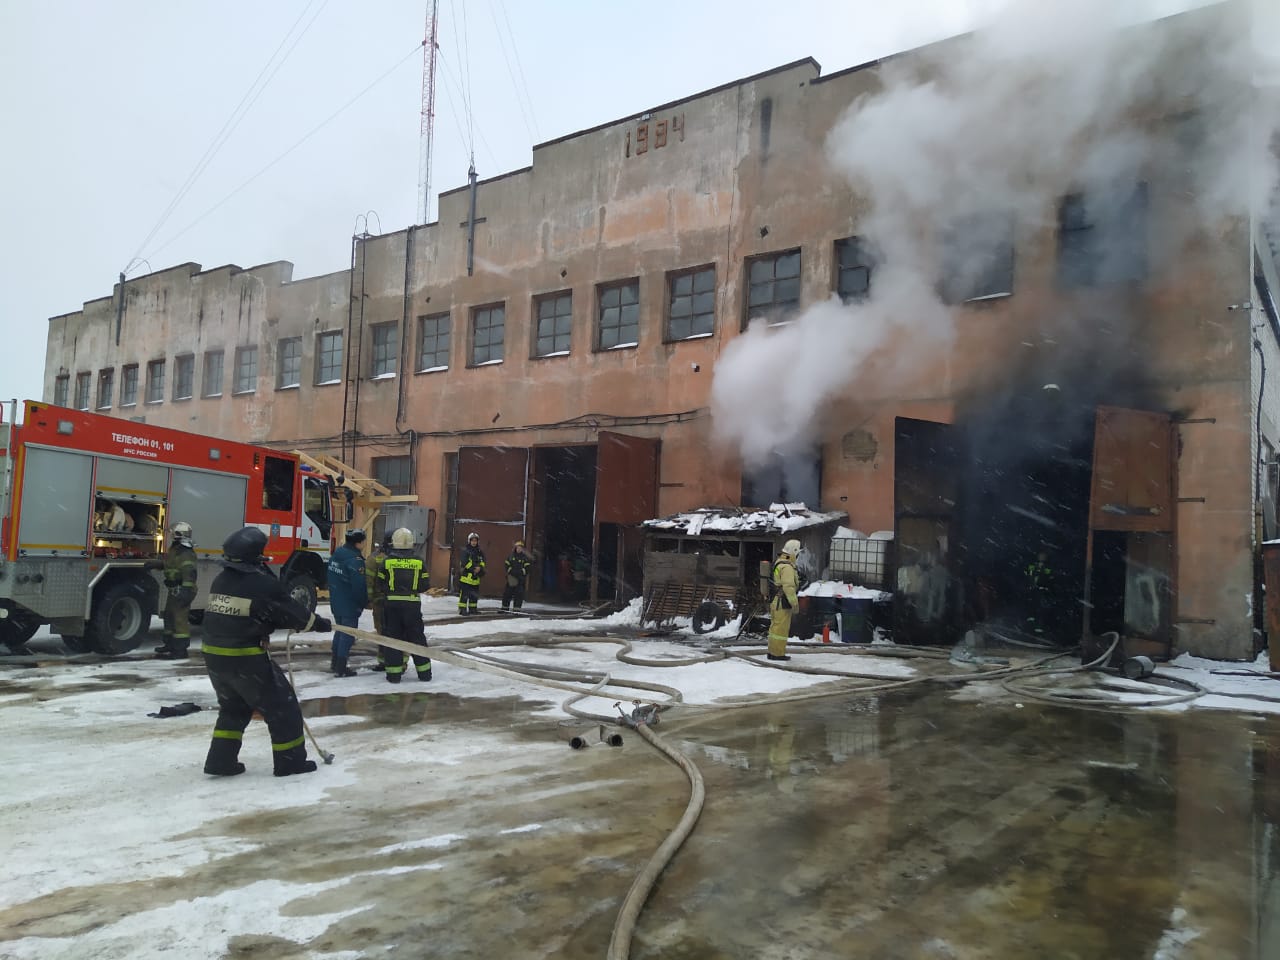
55	523
129	508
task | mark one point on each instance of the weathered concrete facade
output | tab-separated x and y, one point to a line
708	182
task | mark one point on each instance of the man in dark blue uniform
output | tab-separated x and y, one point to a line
246	602
348	595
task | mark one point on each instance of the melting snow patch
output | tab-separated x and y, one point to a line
1176	937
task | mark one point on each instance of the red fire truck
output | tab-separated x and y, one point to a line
87	502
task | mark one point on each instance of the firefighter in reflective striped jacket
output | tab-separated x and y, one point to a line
246	602
470	572
405	579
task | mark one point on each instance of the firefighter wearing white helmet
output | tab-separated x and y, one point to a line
470	573
784	602
180	590
403	577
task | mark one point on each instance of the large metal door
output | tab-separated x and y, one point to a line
493	497
1133	494
926	480
626	495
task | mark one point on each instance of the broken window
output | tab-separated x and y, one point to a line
619	317
976	256
61	385
691	307
488	332
128	385
329	357
155	381
789	478
82	391
555	324
246	369
211	379
853	269
106	387
184	377
433	342
1102	236
386	350
773	286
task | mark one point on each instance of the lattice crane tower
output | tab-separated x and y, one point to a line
428	122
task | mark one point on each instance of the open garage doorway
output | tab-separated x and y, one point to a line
563	487
1046	528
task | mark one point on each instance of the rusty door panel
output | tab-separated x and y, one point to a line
1148	596
492	484
493	502
1132	471
626	479
925	485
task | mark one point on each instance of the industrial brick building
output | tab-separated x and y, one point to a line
539	362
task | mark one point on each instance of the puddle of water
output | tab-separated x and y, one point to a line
919	827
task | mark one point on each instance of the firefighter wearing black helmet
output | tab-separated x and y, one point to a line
246	602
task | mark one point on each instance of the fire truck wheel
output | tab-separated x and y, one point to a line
120	619
303	590
17	628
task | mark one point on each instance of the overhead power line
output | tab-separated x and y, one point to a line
251	95
311	133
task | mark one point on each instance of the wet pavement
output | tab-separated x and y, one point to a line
915	825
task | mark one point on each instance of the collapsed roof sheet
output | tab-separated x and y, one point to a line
778	519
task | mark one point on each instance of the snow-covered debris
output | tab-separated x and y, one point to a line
779	518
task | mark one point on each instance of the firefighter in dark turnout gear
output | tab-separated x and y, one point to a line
405	579
246	602
470	573
518	565
180	586
348	594
377	590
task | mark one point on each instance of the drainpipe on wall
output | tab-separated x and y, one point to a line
120	309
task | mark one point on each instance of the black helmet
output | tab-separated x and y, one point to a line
386	539
244	546
355	535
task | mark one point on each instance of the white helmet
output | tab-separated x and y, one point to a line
182	529
402	539
473	536
791	548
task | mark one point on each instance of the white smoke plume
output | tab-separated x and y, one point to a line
1047	98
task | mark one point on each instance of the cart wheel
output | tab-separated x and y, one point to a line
709	616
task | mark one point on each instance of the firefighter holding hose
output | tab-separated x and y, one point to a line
246	602
405	578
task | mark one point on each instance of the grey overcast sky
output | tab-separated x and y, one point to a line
109	107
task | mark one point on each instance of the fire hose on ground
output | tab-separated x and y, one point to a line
647	712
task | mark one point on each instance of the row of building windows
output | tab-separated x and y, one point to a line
1097	244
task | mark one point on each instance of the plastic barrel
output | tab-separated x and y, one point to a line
856	614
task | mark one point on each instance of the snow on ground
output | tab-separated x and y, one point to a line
74	725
